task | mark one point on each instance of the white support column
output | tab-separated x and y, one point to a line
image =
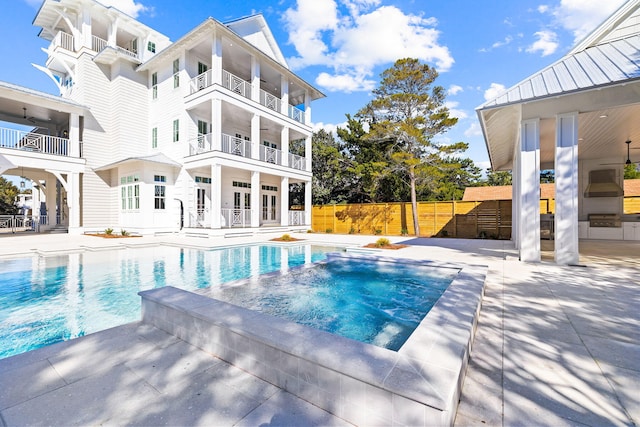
255	79
216	60
307	108
255	199
112	32
529	221
73	202
284	145
74	135
84	23
307	153
307	203
284	201
284	95
566	183
515	197
216	196
255	136
216	124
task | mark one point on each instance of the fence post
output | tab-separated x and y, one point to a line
453	213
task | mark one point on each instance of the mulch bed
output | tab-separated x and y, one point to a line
392	246
290	239
111	236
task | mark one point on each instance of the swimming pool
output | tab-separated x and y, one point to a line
48	299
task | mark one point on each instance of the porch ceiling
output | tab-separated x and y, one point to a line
607	118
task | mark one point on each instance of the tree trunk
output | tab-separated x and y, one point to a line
414	203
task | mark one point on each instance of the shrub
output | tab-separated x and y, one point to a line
404	232
124	233
285	238
328	231
108	231
383	241
378	232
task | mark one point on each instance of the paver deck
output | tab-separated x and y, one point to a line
554	346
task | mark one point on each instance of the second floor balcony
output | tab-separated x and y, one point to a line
244	88
243	148
34	142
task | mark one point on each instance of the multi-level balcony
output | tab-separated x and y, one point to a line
242	147
67	42
34	142
242	87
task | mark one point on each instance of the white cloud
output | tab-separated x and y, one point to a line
329	127
454	111
546	44
343	39
583	16
543	8
495	90
473	130
344	82
454	90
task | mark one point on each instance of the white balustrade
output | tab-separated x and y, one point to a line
297	162
296	218
30	141
201	81
235	145
236	218
270	101
236	84
97	44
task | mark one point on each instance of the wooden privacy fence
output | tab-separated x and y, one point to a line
463	219
490	219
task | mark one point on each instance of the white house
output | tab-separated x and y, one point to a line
581	117
205	134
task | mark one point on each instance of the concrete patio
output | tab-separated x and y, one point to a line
554	346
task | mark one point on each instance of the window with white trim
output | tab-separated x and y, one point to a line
154	138
176	73
130	192
176	130
154	85
159	191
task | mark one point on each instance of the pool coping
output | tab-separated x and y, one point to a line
364	384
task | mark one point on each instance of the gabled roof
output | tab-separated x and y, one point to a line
605	64
255	30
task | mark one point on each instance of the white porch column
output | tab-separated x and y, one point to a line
284	145
284	201
566	183
73	202
255	136
74	135
284	95
216	60
515	197
255	199
529	221
84	24
216	196
255	79
307	203
307	153
216	124
307	108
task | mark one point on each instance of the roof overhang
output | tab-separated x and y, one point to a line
154	158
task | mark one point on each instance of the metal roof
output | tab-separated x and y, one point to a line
596	66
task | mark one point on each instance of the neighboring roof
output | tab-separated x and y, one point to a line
547	191
153	158
255	30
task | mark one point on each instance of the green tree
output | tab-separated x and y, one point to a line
406	113
631	171
328	164
8	193
495	178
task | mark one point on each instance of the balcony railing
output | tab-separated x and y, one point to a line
236	84
29	141
201	81
63	40
236	218
97	44
242	147
296	218
235	145
296	114
16	223
297	162
270	101
270	155
243	87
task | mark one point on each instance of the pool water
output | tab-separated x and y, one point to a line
368	300
44	300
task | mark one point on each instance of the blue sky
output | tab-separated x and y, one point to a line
342	46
